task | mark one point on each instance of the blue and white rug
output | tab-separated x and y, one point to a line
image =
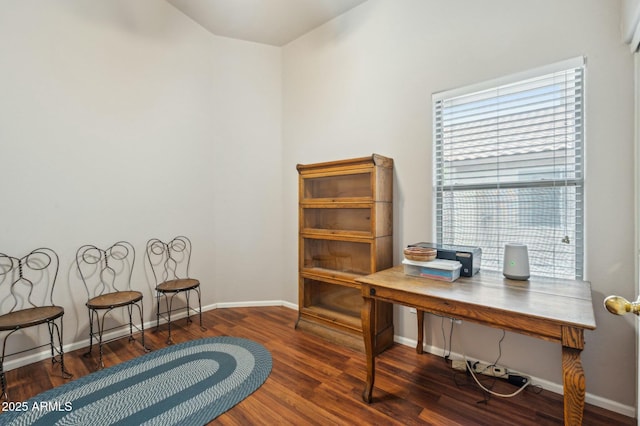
188	384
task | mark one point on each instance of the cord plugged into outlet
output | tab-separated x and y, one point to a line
518	380
481	368
477	367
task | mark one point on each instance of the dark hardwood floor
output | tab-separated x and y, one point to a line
316	382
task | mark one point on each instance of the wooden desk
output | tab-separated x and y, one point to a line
549	309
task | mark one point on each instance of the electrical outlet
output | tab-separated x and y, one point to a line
489	370
480	368
413	310
459	364
456	321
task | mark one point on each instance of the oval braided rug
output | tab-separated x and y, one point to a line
189	384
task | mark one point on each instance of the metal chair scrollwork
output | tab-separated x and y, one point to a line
106	274
26	286
169	263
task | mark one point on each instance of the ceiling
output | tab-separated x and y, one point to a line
274	22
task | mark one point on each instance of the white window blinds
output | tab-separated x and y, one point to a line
509	168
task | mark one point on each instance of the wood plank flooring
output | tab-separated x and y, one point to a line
316	383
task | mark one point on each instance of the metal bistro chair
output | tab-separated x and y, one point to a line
169	263
106	275
26	286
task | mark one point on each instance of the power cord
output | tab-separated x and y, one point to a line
495	363
446	355
515	379
525	381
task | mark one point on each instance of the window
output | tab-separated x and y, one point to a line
509	168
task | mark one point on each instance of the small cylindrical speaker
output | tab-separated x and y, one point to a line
516	262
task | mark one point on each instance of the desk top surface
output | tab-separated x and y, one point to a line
566	302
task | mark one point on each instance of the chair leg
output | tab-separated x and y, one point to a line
169	308
65	373
130	311
3	379
94	316
197	289
101	321
59	349
92	313
141	312
100	333
158	294
186	296
189	309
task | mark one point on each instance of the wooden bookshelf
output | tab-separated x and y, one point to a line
345	232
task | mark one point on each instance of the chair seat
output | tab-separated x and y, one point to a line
114	300
29	317
180	284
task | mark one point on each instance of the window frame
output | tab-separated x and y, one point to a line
578	63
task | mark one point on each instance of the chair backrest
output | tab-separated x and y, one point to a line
169	261
28	281
108	270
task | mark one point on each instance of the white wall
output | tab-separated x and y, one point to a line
363	83
246	165
631	22
126	120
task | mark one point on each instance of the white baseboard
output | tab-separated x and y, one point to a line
598	401
257	304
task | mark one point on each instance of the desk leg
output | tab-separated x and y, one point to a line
419	346
573	378
367	330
